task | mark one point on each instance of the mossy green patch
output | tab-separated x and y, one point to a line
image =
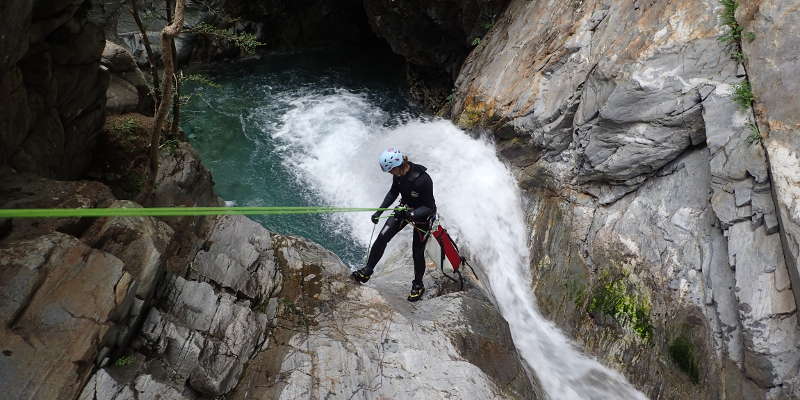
743	94
681	351
728	19
617	298
471	116
124	361
754	135
124	127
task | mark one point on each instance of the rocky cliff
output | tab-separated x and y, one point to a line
52	88
656	240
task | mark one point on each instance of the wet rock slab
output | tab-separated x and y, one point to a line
338	339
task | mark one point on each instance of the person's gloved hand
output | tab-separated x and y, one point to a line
402	213
375	217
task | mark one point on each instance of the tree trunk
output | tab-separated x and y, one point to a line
167	35
176	108
150	56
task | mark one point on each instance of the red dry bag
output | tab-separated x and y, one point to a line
449	248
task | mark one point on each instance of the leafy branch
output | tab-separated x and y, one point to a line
246	42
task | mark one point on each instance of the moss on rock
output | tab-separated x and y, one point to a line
617	298
682	352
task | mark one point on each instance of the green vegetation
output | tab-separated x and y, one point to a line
291	309
615	298
471	116
576	290
171	145
743	94
246	42
133	182
124	126
199	78
262	306
728	18
124	361
735	33
476	41
681	350
755	134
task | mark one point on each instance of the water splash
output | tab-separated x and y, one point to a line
331	142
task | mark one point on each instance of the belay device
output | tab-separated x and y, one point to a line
449	249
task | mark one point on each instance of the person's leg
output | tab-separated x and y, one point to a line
392	226
418	250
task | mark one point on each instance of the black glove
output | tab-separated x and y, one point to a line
376	216
402	214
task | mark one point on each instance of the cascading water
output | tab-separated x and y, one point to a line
329	140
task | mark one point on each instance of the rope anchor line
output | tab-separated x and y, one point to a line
175	211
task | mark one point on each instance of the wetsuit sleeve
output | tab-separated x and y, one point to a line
394	191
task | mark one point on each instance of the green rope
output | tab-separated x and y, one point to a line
173	211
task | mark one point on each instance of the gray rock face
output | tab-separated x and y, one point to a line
52	89
75	290
618	119
340	340
202	330
50	331
264	315
772	69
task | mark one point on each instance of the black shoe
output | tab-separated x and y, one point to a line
362	275
417	289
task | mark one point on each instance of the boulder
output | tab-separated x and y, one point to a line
22	190
121	96
117	58
50	332
140	241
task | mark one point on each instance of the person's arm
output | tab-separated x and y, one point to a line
391	195
387	201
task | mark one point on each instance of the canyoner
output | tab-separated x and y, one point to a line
417	208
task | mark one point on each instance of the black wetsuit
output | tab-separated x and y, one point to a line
416	191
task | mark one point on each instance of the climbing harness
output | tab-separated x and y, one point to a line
448	248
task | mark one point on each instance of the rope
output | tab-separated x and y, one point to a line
369	248
172	211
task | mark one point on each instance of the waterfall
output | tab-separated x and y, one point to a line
331	140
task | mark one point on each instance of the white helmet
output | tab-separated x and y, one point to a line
390	158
